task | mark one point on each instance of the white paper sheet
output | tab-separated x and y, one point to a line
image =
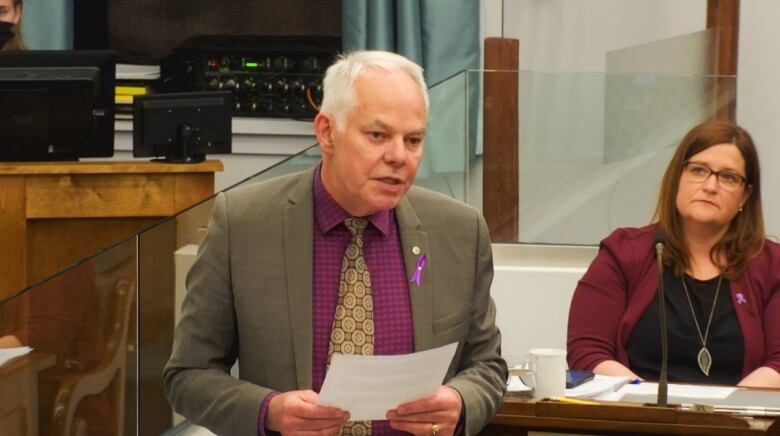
678	390
600	385
137	72
369	386
7	354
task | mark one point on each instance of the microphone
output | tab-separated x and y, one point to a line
663	383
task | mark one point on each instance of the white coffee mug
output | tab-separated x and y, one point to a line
548	366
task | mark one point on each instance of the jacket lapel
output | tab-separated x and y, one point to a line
298	252
413	235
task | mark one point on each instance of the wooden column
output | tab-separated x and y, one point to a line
500	181
723	17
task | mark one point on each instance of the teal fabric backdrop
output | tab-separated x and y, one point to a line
443	37
48	24
440	35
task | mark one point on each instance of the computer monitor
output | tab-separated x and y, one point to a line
56	105
182	127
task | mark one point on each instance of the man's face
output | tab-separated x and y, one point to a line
370	163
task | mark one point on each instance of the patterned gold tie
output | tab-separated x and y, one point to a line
353	323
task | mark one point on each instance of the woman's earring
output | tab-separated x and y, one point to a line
740	210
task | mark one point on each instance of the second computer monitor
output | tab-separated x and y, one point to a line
182	127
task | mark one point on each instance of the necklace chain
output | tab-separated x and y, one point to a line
712	311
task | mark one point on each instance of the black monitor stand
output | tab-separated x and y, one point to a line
182	151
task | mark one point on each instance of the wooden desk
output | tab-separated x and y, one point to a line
519	415
55	213
19	394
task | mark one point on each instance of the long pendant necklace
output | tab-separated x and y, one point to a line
704	357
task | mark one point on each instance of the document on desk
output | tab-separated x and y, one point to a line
600	385
369	386
8	354
643	391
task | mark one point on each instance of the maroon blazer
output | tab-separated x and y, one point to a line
621	282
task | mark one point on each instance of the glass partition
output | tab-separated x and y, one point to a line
591	147
577	177
450	137
166	251
74	339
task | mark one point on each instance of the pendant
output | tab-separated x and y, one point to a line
705	360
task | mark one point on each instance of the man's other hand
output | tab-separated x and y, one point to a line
419	416
297	412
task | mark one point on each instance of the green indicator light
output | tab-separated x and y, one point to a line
251	64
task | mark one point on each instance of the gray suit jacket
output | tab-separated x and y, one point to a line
250	295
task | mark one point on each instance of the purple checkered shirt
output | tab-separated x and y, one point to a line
393	330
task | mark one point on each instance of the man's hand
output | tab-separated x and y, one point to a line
419	416
297	412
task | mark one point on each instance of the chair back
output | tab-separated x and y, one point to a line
115	292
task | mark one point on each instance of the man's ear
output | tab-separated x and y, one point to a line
323	128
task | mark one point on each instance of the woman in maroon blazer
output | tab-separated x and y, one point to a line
721	276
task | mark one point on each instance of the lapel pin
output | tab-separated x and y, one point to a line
417	275
741	298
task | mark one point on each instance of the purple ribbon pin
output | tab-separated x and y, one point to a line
417	276
741	299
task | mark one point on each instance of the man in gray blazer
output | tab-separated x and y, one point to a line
272	270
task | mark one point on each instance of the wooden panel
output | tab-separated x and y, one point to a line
14	422
191	225
191	188
100	195
131	403
606	411
54	244
156	285
90	190
723	16
19	414
62	212
520	425
518	415
500	186
12	234
110	167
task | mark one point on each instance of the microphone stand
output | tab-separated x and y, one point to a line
663	383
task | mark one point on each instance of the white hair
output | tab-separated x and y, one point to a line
338	84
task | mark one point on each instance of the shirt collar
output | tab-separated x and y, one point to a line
329	214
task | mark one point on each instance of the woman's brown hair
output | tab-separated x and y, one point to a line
745	235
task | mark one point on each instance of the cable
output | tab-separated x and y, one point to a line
311	100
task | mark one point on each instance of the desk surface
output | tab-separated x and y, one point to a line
520	414
107	167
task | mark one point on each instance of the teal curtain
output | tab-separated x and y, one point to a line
48	24
440	35
443	37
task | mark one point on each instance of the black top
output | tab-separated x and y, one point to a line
724	341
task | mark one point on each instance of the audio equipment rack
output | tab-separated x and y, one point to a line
269	76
